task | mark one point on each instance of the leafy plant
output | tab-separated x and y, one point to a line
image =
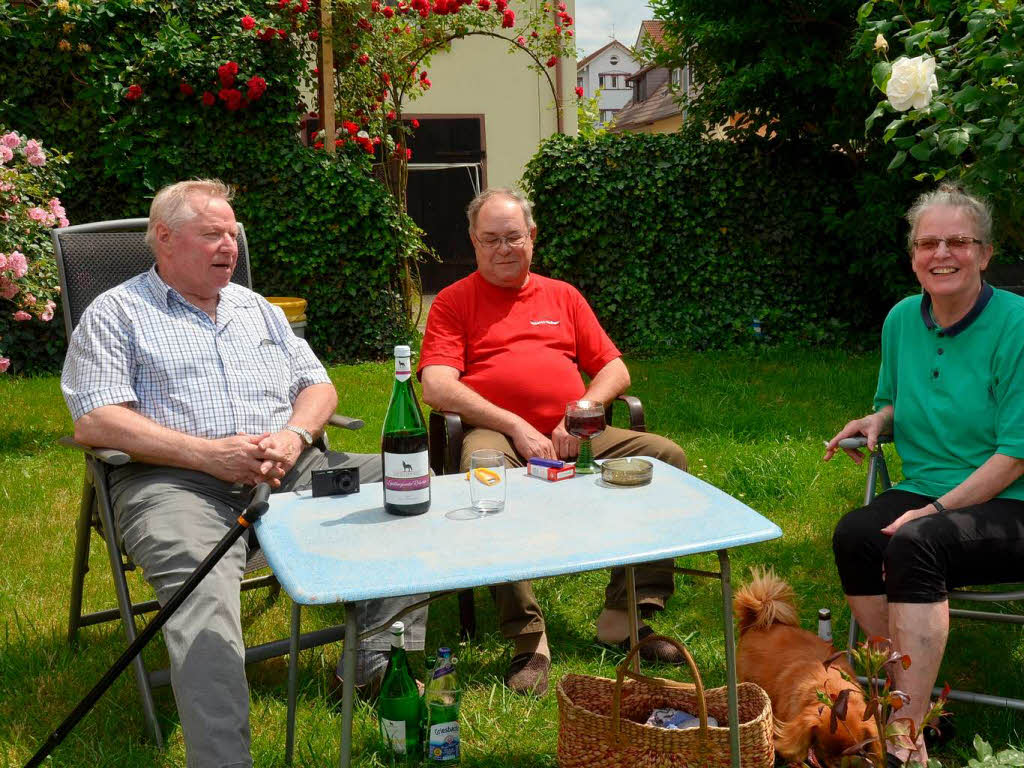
989	759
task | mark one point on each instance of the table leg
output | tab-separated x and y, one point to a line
634	630
293	678
730	658
348	688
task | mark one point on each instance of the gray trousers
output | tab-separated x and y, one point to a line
170	519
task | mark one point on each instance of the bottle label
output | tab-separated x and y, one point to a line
444	742
406	478
403	368
394	731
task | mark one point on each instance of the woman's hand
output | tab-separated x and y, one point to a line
906	517
868	427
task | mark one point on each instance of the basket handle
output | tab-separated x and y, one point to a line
622	671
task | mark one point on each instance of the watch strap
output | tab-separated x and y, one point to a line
307	438
938	506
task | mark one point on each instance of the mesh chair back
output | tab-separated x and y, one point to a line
92	258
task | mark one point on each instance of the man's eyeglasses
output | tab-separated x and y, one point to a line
515	240
958	244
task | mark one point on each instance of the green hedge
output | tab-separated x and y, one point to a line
319	227
680	241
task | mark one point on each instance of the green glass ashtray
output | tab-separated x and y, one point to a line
627	471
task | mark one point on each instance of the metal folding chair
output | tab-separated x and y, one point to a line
92	258
878	480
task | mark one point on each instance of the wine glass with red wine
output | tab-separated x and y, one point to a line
585	419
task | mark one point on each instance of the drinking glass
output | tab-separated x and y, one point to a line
487	481
585	419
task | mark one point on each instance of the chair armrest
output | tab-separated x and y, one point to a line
636	412
861	442
446	435
345	422
107	455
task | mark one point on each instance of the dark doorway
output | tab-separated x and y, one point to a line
447	160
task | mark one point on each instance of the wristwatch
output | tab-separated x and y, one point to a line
938	506
307	439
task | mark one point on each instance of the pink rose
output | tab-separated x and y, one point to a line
47	314
5	363
37	214
6	155
10	140
30	298
63	221
37	159
21	316
32	146
17	263
3	261
8	290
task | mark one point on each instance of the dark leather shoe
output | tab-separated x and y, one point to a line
659	651
528	674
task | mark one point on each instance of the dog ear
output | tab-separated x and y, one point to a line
794	738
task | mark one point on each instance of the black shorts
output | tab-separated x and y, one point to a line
982	544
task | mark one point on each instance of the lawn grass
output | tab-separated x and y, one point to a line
751	425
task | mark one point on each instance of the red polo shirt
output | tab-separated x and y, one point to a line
522	349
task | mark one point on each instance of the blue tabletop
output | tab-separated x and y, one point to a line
346	548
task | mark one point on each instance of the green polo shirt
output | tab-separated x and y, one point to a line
957	393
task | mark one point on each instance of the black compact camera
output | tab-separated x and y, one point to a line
334	482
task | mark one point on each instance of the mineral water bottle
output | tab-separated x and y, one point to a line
442	704
398	707
825	624
403	446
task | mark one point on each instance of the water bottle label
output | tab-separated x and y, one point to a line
444	742
442	671
406	478
394	730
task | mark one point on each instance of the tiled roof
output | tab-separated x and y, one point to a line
599	51
653	29
660	105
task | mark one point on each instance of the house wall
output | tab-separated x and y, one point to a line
611	98
480	76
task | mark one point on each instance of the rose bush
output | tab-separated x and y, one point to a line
30	180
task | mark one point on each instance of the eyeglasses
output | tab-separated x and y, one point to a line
958	244
515	240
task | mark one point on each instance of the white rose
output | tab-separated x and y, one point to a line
881	44
912	83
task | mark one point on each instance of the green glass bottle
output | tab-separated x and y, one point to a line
403	446
441	698
398	707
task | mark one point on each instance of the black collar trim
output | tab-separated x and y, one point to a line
964	322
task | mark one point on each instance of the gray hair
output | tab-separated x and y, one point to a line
172	205
473	210
954	196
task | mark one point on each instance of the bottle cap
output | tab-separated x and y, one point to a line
403	350
444	652
824	614
398	628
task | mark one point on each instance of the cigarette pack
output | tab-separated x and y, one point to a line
551	473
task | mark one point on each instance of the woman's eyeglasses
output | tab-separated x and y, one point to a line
958	244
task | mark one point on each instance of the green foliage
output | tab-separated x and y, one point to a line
780	64
989	759
142	93
973	126
588	117
679	242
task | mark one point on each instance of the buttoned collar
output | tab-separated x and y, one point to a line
964	322
231	296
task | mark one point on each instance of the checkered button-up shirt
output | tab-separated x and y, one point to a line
143	344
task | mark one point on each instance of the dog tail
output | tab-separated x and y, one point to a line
764	601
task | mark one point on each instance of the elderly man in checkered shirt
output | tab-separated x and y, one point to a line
204	384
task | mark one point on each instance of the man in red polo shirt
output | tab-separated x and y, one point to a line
504	349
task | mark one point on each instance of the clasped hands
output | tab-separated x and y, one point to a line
529	442
253	459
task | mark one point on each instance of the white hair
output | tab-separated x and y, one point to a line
172	205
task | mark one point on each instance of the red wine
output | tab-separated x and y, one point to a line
403	446
584	425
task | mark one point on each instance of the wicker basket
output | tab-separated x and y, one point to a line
601	721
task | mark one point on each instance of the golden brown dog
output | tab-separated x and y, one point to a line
787	662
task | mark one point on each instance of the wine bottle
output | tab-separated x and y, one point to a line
398	707
403	446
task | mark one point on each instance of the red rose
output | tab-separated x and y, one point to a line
232	98
364	59
351	127
186	89
303	6
561	6
425	82
257	87
391	114
521	40
226	73
375	6
339	142
318	145
508	18
408	154
415	123
567	19
484	5
248	22
267	34
316	70
376	140
568	33
283	3
282	33
364	25
423	75
314	35
579	92
388	12
552	61
558	30
501	5
134	93
534	34
386	78
208	99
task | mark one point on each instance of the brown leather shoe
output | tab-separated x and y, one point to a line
528	674
659	651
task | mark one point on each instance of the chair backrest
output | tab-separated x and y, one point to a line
91	258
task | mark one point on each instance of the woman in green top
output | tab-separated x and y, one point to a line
951	392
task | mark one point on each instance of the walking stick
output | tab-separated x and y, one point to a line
257	506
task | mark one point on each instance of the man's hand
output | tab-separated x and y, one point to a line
529	442
906	517
869	427
239	459
280	452
566	446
